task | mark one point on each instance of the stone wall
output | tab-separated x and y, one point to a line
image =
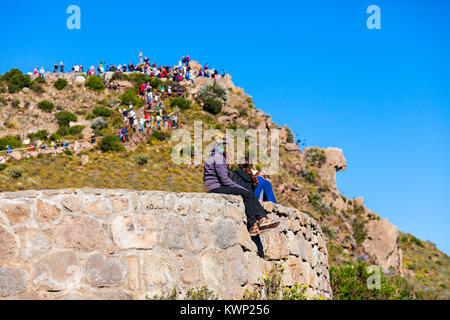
123	244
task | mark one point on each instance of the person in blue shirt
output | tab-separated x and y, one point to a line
264	190
8	150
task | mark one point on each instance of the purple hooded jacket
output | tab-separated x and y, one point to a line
215	173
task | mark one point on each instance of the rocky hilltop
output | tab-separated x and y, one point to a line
121	244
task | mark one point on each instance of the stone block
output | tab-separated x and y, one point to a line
134	232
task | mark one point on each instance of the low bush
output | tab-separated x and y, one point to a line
213	91
65	117
99	123
16	80
40	135
3	166
95	83
14	172
271	288
37	87
46	106
72	131
159	135
140	159
212	106
202	293
359	230
102	112
13	142
350	282
60	83
40	80
290	135
315	157
55	137
129	95
180	102
110	143
118	76
329	232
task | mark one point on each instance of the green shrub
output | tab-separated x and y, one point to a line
359	230
159	135
117	122
95	83
40	80
129	95
271	288
15	104
110	143
316	157
63	131
76	130
320	205
180	102
173	295
99	123
65	117
60	83
309	175
37	87
213	91
13	142
155	83
3	101
14	172
118	76
202	293
46	106
55	137
290	136
68	152
330	232
40	135
16	80
3	166
72	131
102	111
140	159
350	282
212	106
416	241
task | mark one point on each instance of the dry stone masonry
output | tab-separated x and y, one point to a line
124	244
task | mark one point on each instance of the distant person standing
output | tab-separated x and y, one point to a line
61	67
42	71
55	68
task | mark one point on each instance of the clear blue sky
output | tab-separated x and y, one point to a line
383	96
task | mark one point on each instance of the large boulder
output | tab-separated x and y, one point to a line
382	244
195	66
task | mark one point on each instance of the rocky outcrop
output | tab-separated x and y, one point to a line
382	244
122	244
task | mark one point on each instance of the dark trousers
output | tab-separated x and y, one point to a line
253	208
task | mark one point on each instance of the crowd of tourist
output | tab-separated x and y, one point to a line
181	72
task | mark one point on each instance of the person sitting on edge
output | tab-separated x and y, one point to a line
264	190
217	180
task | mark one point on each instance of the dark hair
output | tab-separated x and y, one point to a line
247	168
